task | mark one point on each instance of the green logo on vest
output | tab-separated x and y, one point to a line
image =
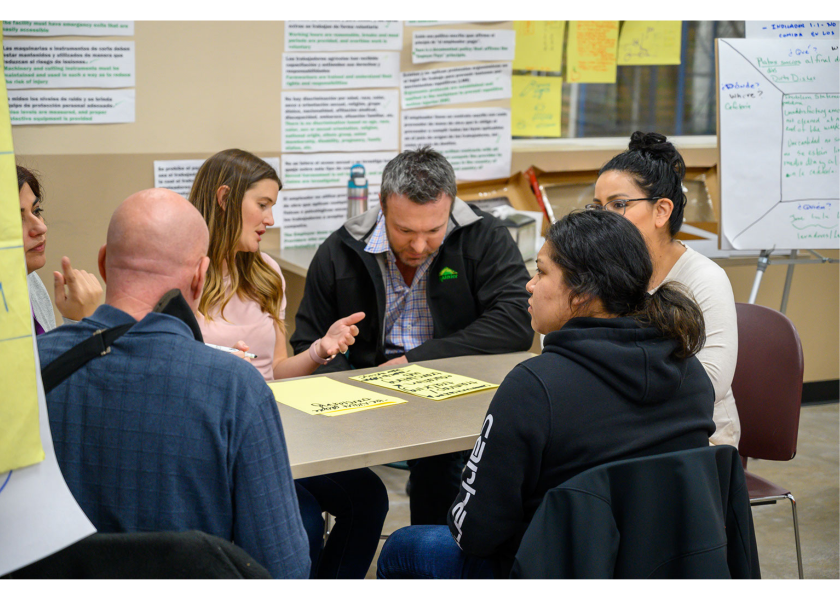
447	273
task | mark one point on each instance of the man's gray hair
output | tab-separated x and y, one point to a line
420	175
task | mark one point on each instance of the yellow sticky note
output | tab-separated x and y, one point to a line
650	43
20	440
324	396
591	51
539	45
535	106
426	383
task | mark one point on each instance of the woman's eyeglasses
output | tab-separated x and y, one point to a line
620	205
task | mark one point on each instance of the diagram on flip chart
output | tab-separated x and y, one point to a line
779	131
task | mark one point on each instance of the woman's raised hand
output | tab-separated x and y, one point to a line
341	335
82	295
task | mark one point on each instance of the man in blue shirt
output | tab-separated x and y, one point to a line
164	433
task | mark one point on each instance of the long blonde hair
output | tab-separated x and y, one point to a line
250	276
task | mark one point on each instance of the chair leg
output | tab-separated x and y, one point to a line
796	535
327	522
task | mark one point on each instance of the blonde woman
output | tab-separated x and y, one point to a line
244	300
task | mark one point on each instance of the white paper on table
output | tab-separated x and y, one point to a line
38	514
476	141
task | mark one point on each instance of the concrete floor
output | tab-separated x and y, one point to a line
812	478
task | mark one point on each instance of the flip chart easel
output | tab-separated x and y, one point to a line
764	261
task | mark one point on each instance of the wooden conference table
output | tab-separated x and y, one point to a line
320	444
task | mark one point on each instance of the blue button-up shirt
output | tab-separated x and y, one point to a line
408	318
167	434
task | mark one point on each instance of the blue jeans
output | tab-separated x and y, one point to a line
359	502
428	552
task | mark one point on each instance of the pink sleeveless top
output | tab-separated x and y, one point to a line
244	320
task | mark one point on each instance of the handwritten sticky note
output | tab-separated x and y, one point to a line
591	51
324	396
539	45
535	106
650	43
426	383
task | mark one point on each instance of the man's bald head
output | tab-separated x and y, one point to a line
156	241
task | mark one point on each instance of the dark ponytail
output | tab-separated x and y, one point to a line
603	255
657	168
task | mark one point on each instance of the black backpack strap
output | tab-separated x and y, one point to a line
99	344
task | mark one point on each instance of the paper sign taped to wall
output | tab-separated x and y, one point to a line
650	43
424	382
539	45
536	106
592	51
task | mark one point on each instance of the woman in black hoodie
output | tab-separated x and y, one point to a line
617	379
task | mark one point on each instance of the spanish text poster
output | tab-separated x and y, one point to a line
40	64
331	169
469	44
339	121
67	107
592	51
308	217
343	35
539	45
424	382
430	23
54	28
650	43
178	175
324	396
332	70
535	106
786	30
476	141
475	83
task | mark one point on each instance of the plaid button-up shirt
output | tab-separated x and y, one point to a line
408	319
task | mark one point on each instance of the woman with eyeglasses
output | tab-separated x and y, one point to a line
644	183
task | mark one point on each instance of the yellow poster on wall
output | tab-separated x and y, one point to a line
650	43
20	438
535	105
539	45
591	51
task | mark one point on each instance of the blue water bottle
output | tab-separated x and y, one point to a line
357	191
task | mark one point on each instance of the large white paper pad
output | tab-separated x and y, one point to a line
331	169
179	175
38	514
779	143
781	30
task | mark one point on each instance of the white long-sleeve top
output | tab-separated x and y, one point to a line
712	291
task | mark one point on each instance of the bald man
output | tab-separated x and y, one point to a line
164	433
